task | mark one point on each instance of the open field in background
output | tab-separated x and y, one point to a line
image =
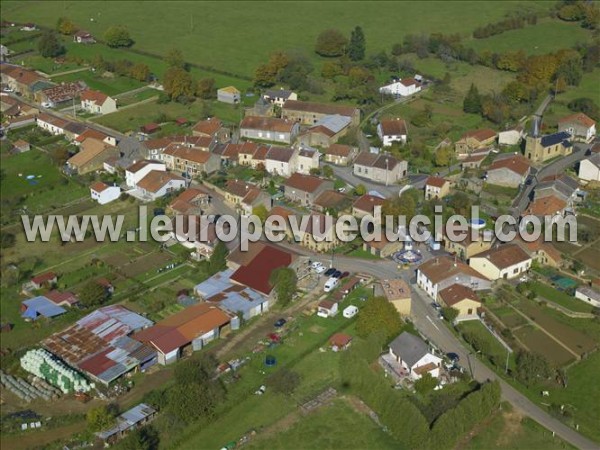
204	30
561	298
548	35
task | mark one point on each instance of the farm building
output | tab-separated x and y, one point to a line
130	420
229	95
220	290
99	344
186	331
34	308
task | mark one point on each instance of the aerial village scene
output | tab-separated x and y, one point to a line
300	225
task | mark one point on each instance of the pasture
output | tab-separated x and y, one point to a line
548	35
234	36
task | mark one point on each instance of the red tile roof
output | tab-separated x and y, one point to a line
99	186
43	278
579	118
304	183
505	255
319	108
515	163
436	182
257	272
438	269
368	202
393	127
456	293
208	127
339	150
480	135
340	340
94	96
268	123
545	206
183	327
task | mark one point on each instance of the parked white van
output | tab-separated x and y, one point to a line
331	284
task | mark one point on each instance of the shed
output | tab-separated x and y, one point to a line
150	128
40	306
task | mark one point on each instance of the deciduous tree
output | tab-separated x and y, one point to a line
118	36
218	259
206	88
100	418
92	294
65	26
330	43
378	314
178	83
285	283
49	45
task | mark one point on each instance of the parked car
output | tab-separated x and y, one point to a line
280	322
344	275
320	269
436	306
453	356
46	105
337	274
330	271
331	284
8	89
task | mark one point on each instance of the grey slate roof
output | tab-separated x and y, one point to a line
335	123
409	348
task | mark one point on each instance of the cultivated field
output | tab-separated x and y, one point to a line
538	342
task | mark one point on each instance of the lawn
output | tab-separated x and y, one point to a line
581	395
561	298
360	253
48	190
549	35
334	426
136	116
496	350
508	430
231	36
108	85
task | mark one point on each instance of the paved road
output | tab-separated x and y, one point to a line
60	115
554	168
432	328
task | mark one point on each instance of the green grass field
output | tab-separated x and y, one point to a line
236	36
333	426
549	293
495	349
546	36
49	189
138	115
510	431
110	86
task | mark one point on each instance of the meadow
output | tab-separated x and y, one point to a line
203	30
548	35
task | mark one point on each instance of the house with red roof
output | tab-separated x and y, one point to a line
44	280
474	140
104	193
97	102
401	88
508	170
436	187
579	126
